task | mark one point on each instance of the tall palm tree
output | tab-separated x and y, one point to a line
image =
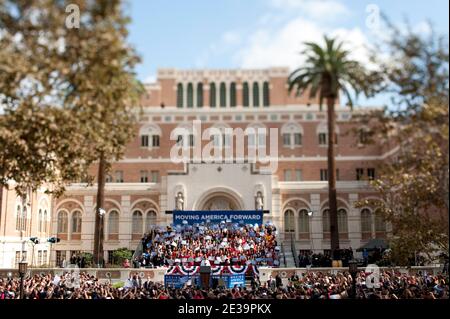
327	71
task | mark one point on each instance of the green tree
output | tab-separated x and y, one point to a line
329	70
121	254
103	91
75	87
413	184
41	141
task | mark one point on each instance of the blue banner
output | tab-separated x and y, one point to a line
216	216
178	281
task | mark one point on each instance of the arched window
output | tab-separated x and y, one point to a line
292	134
233	94
180	95
113	223
62	222
256	135
19	218
255	94
190	95
223	95
150	135
76	222
40	220
289	222
303	221
137	223
246	95
266	94
45	221
342	221
380	224
322	133
24	218
326	221
200	94
150	219
212	95
366	221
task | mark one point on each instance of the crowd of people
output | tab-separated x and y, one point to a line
308	285
220	244
310	259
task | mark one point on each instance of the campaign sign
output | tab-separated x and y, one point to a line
217	216
237	280
177	281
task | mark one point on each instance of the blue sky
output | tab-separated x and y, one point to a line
260	33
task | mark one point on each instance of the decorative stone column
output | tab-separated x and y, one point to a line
354	223
316	224
125	222
88	224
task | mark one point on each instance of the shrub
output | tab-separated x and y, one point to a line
121	254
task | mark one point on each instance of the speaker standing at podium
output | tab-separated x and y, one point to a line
205	275
205	262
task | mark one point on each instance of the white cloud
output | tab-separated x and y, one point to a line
282	47
227	41
231	38
150	79
317	9
277	47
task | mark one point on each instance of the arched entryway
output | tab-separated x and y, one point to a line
220	199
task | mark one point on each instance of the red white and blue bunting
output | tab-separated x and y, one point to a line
215	270
238	270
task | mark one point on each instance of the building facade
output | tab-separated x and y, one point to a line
144	186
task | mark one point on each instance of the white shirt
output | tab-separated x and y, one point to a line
205	262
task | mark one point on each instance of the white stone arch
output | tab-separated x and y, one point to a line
324	204
292	127
219	191
145	200
256	129
286	204
322	127
70	200
259	188
185	126
44	202
150	129
116	203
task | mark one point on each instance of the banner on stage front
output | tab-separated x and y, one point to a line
197	217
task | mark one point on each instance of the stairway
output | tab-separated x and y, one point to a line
290	263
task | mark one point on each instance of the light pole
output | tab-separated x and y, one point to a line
22	271
353	270
34	241
101	213
310	215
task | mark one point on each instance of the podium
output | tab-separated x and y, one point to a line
205	276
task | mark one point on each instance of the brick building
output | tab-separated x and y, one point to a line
145	183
